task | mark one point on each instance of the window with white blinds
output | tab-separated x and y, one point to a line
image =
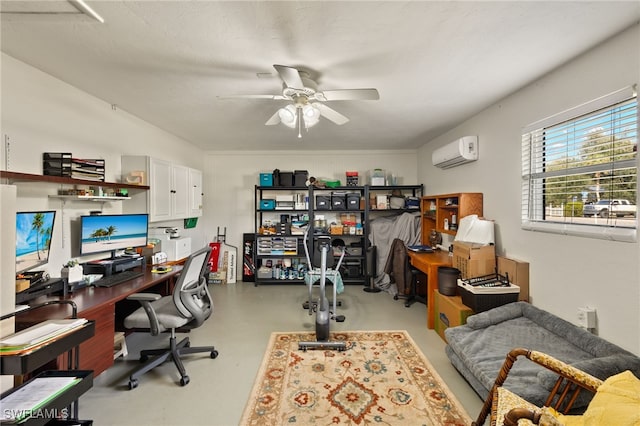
579	170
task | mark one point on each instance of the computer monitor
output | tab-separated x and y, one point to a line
110	233
34	231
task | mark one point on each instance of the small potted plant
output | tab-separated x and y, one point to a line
72	271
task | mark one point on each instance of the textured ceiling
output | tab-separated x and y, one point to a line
435	63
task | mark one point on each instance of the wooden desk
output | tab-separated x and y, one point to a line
429	263
99	304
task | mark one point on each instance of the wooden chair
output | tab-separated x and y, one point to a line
507	408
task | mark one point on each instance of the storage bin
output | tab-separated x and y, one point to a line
286	179
482	299
338	201
267	204
266	179
300	178
323	202
353	201
377	177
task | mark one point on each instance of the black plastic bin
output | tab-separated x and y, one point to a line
448	280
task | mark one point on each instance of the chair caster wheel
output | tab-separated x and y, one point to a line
214	354
184	381
340	318
395	297
144	358
188	344
133	384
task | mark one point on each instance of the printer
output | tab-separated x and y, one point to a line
171	243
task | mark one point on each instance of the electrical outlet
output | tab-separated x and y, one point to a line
587	317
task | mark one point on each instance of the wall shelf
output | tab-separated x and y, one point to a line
89	198
27	177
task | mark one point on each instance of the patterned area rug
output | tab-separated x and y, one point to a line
382	378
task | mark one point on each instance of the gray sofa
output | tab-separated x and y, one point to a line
478	349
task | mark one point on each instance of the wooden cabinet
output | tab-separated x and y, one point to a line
443	212
171	194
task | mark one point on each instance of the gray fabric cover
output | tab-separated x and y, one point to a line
478	350
168	316
382	231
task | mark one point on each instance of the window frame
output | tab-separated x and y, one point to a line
533	174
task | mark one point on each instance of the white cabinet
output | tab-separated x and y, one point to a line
170	188
179	191
195	193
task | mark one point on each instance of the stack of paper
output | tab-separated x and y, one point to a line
38	334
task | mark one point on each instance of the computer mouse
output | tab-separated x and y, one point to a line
161	268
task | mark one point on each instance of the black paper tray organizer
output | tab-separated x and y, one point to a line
20	364
57	407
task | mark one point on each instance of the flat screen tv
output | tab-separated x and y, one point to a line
33	239
110	233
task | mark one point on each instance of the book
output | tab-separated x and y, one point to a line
420	249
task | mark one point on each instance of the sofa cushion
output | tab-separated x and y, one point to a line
602	368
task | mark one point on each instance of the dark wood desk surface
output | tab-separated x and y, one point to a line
429	263
99	304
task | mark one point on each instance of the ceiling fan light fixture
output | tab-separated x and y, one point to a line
288	116
311	115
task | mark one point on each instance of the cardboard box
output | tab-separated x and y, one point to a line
518	274
474	260
22	285
449	312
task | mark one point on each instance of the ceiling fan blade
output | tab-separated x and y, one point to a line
273	97
275	119
349	94
331	114
290	76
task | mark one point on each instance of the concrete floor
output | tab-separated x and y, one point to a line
242	322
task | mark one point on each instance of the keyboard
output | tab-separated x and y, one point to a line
118	278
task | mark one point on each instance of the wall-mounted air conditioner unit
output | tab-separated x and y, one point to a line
461	151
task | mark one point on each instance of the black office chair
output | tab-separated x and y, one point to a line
187	308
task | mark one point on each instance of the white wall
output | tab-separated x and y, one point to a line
566	272
43	114
231	177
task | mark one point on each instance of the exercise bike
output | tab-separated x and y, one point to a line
323	314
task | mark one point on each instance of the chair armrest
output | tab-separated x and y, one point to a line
567	387
514	415
145	299
149	297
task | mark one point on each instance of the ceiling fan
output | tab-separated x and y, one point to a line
307	105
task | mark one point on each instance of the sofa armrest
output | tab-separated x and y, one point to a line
495	315
601	368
